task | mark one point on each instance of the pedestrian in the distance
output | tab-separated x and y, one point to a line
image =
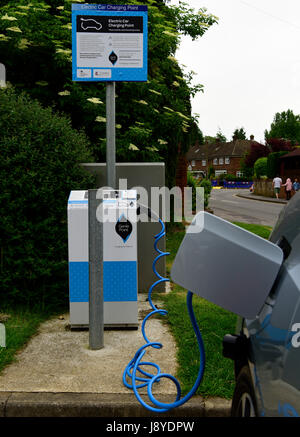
288	188
277	182
296	185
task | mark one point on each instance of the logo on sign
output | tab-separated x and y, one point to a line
123	228
113	58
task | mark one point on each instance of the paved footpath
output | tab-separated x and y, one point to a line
250	196
57	374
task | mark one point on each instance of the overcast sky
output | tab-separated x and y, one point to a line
249	64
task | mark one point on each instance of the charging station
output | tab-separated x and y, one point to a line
120	284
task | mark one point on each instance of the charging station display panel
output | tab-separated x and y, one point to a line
109	42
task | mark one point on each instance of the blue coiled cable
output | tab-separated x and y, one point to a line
136	364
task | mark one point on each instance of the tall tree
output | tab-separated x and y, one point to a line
220	136
239	134
152	117
257	151
280	144
285	125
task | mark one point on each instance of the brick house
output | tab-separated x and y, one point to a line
290	165
224	157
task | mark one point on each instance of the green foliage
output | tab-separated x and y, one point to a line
260	167
239	134
152	117
214	322
257	151
191	23
260	230
194	183
209	140
285	125
273	163
40	153
21	325
211	172
206	184
248	172
219	137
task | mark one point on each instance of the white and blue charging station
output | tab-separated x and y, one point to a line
120	283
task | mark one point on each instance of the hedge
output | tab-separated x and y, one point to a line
260	167
273	163
40	153
194	183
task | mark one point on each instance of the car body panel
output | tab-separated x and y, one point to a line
274	335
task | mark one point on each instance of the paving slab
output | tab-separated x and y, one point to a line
57	375
59	359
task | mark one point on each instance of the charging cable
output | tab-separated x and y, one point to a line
137	365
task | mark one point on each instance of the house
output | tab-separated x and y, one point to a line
290	165
224	157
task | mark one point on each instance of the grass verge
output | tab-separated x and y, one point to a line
20	325
214	323
261	231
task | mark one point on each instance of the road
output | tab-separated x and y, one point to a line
227	205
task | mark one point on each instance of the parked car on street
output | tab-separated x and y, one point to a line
266	350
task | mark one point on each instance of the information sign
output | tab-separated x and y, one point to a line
109	42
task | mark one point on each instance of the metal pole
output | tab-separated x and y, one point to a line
96	319
110	135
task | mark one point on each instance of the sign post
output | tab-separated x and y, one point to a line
96	301
109	44
111	135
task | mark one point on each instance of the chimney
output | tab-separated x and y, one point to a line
252	137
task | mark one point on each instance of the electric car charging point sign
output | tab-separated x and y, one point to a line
109	42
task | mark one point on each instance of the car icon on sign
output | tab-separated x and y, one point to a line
90	23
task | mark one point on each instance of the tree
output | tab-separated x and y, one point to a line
285	125
273	163
260	167
152	118
257	151
239	134
218	137
280	144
